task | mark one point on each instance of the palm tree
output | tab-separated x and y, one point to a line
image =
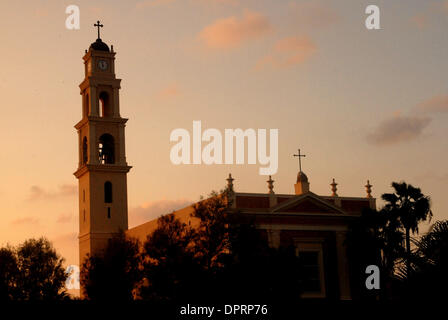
409	207
429	264
434	245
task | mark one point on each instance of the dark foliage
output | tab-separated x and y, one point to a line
32	271
170	267
8	274
383	238
114	274
428	278
224	258
408	206
374	239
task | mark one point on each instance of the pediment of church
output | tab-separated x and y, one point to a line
308	203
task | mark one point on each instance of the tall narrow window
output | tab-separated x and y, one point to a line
106	149
84	215
84	150
108	192
86	108
311	271
313	276
108	212
83	195
105	107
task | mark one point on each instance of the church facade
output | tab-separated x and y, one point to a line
317	225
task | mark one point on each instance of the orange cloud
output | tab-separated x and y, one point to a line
70	238
168	92
25	220
65	190
231	32
288	52
64	218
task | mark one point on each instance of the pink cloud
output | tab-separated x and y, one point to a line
231	32
288	52
398	129
436	104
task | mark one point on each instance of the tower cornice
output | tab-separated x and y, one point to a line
95	81
95	119
96	53
101	168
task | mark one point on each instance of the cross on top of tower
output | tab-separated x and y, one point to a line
98	25
300	159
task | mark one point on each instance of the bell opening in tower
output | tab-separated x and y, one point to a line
106	149
105	108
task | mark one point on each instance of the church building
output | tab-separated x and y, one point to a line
317	225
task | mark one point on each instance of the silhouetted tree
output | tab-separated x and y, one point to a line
374	239
8	274
223	257
171	269
429	264
212	239
410	207
237	259
114	274
253	270
38	273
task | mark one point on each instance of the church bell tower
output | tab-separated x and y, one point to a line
102	167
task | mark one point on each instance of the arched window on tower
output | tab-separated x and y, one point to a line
105	107
108	192
84	150
106	149
86	107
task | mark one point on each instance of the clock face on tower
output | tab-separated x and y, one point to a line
102	64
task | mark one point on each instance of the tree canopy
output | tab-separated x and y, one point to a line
32	271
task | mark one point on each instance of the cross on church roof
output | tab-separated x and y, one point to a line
300	160
98	25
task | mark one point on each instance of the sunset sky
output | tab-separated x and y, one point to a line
361	104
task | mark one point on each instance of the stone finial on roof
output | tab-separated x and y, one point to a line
334	188
270	185
230	182
368	189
